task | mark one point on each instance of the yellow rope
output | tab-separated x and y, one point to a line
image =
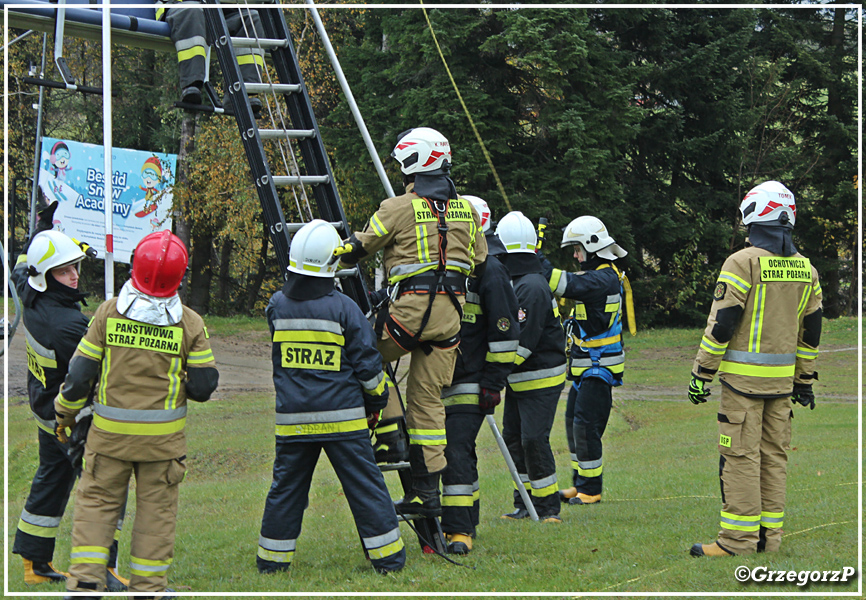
635	579
466	110
816	527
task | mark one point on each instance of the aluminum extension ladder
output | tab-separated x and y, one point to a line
293	127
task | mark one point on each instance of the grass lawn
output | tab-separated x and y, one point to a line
661	495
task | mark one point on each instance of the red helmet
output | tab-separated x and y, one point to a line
159	264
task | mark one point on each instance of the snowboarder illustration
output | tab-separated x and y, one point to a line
151	176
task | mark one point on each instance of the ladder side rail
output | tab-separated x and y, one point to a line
255	152
312	149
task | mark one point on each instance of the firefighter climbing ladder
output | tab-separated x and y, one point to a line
293	127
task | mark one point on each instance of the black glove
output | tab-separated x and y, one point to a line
489	399
378	297
46	218
45	222
697	392
804	395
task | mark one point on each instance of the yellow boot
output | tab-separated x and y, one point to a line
582	498
715	549
41	572
567	494
458	543
114	582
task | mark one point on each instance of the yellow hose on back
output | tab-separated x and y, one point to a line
629	300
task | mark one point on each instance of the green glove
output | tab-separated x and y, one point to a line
697	392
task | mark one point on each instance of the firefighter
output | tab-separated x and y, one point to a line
538	377
151	353
596	358
762	339
46	277
330	390
489	337
432	241
188	31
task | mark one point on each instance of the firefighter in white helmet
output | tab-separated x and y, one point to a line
489	337
47	278
597	358
139	417
432	241
330	389
762	340
536	381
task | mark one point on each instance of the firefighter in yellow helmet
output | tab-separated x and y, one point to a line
762	340
151	353
432	241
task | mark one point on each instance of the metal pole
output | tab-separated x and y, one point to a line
38	151
350	98
107	144
19	38
353	106
524	495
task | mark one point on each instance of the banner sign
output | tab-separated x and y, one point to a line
73	173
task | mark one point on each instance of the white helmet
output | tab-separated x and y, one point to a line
422	150
767	203
591	233
517	233
312	250
49	250
482	209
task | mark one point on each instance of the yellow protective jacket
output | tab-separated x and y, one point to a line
146	373
407	230
763	331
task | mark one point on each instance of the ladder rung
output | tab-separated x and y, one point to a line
279	134
302	180
293	227
243	42
398	466
277	88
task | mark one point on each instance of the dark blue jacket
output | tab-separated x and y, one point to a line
327	371
595	323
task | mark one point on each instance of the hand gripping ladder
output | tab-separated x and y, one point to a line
303	134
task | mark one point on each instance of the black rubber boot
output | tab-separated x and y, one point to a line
391	446
41	572
422	499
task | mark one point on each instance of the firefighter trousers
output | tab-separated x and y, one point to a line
364	488
587	412
754	437
188	31
425	413
527	419
460	490
49	494
99	501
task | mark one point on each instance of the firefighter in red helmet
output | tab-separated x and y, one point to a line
139	416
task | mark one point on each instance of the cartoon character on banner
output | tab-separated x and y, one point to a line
151	176
59	160
52	178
